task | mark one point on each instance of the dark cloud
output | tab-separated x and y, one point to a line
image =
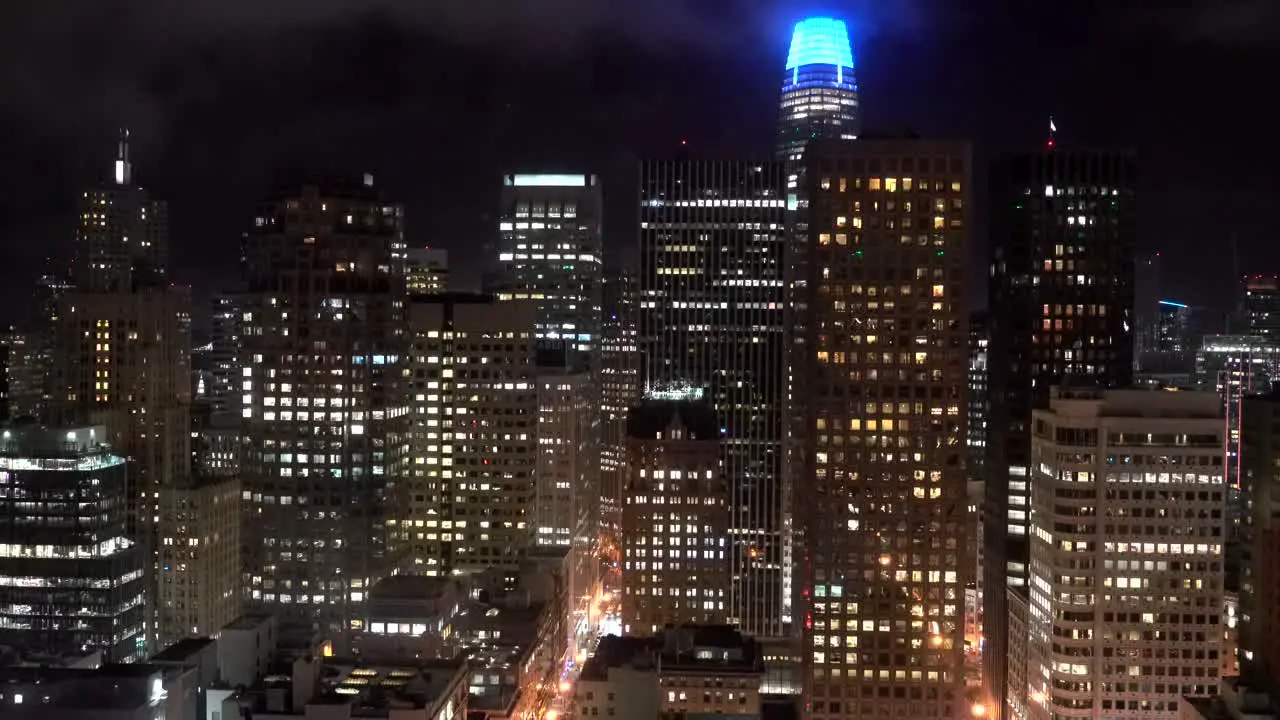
1240	27
1246	25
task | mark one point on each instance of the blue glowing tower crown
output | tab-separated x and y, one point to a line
819	88
820	41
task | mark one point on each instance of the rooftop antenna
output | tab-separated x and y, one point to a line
124	171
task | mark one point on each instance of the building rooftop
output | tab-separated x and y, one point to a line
182	650
689	648
249	621
651	417
409	587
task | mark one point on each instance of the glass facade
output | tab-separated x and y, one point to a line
712	307
819	88
71	582
551	253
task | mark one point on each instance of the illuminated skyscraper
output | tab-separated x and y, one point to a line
324	411
1125	618
819	88
676	498
122	236
880	372
1261	295
712	316
62	517
122	349
1063	233
619	388
474	447
550	252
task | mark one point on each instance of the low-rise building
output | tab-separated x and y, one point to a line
1236	702
706	670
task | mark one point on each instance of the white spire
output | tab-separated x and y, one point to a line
124	171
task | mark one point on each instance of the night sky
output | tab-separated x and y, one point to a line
230	100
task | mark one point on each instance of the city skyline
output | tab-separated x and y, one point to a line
650	87
540	386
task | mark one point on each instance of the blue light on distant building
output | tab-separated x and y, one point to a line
820	41
1171	303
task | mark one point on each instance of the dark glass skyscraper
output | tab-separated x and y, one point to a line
550	252
326	420
819	89
712	300
1061	311
74	581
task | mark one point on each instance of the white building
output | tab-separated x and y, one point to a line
1126	573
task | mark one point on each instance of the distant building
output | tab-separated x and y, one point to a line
473	397
1061	308
1238	701
1259	635
619	389
675	518
199	557
25	371
688	671
426	271
819	97
713	304
45	471
551	252
1261	296
122	235
323	410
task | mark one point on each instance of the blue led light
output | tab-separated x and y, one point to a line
820	41
1171	303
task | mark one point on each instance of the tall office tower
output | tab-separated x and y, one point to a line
567	480
819	88
77	579
1147	292
712	316
619	389
550	252
976	441
199	555
1061	306
1260	537
675	516
123	362
52	287
426	271
474	453
1124	617
1237	366
122	349
123	235
25	372
566	496
1173	328
1261	295
224	356
880	374
6	353
979	401
324	415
